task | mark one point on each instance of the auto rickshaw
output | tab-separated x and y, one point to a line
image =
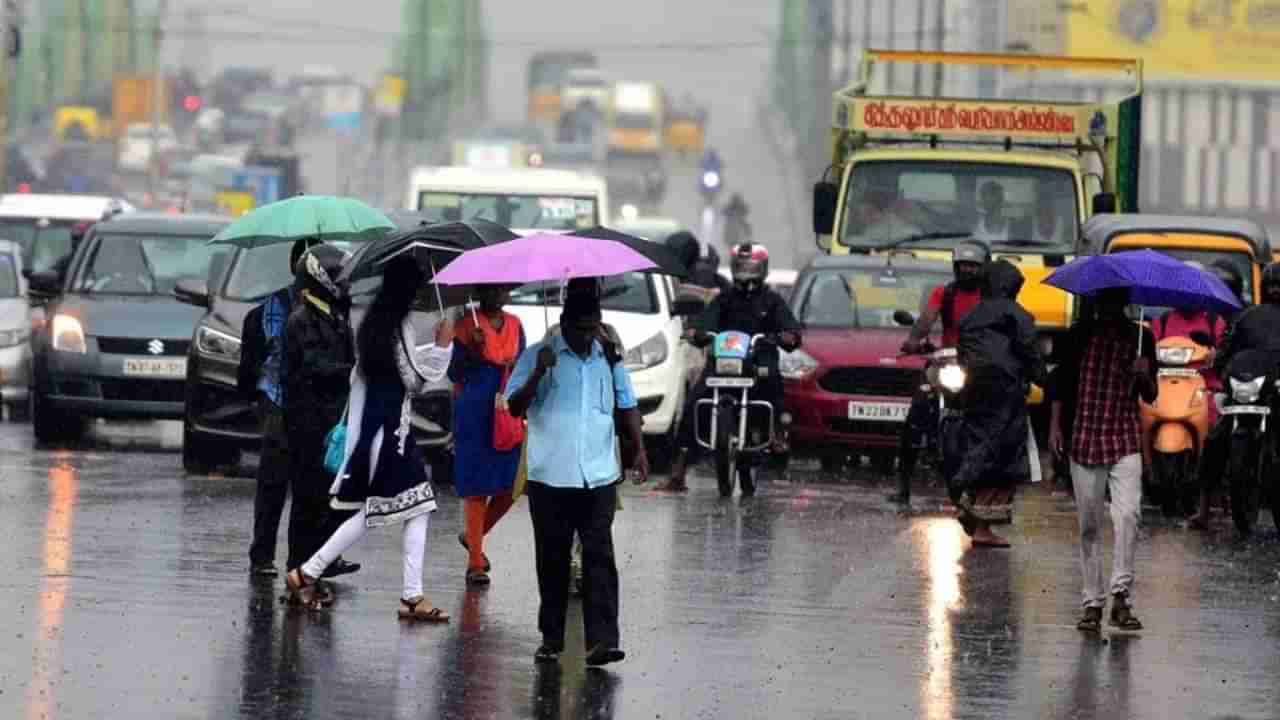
79	122
685	133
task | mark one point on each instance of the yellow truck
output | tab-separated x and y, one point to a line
919	174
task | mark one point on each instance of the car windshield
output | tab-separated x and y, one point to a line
42	243
8	276
541	212
1206	258
865	297
934	204
632	293
633	121
143	264
261	271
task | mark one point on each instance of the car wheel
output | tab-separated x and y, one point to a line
53	427
202	454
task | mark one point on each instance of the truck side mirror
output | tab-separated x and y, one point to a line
825	195
1104	203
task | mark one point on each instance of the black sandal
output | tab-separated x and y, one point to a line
477	578
462	540
1122	616
1092	620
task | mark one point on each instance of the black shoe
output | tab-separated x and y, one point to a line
603	655
340	567
263	570
546	654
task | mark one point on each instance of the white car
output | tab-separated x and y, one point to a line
640	307
137	143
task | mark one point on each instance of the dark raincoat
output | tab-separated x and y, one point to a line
998	350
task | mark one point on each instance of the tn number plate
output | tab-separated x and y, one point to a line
1245	410
719	382
882	411
173	367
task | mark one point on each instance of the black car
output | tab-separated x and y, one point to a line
220	421
114	344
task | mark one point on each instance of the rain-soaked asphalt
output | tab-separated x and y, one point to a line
125	595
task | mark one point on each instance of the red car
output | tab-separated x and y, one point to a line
848	387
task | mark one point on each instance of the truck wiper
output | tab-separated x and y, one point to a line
922	237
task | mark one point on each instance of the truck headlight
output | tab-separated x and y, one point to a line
68	335
647	354
16	336
1246	392
217	344
951	377
796	365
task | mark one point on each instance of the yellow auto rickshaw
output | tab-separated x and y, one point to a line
79	122
685	133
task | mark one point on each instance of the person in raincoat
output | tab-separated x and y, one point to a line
383	479
997	349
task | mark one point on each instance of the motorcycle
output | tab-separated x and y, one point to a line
710	181
1174	428
1247	406
742	430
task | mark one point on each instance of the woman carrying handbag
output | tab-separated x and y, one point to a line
487	438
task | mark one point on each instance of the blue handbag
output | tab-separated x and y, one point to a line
335	445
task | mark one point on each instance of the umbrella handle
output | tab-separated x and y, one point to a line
436	285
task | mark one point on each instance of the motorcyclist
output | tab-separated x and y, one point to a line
948	303
748	306
1257	328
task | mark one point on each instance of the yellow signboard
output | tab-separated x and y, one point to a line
234	202
1193	39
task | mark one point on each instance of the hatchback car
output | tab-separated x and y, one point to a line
848	389
15	331
219	421
115	343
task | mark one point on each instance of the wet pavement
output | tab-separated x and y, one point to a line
125	595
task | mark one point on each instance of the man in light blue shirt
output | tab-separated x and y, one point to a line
568	387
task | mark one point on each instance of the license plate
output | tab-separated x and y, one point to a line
729	366
1245	410
882	411
173	367
719	382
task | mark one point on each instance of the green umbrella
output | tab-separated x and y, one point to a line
322	216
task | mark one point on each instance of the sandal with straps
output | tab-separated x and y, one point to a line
1092	620
414	609
1122	616
302	590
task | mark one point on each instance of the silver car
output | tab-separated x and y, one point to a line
15	331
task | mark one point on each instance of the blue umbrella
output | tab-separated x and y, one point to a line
1151	277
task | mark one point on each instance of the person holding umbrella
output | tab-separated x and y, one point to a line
488	343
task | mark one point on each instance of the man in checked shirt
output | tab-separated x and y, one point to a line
1100	381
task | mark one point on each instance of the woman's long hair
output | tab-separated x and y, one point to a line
380	330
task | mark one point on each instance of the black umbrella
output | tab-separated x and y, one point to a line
666	261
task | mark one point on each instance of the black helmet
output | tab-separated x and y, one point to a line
1229	275
969	251
317	272
1271	283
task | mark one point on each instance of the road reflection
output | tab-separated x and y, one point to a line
55	581
943	545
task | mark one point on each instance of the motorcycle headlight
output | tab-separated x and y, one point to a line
217	344
1246	391
796	365
68	335
16	336
1174	355
647	354
711	179
951	377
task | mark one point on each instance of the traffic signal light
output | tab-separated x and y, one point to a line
192	103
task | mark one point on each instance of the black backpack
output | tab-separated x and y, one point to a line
253	351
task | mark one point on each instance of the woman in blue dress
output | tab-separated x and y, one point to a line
486	346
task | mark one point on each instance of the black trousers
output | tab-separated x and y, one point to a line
557	514
273	483
922	417
310	520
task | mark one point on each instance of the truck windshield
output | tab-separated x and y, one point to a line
866	297
541	212
934	204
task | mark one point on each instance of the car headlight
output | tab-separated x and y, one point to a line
647	354
796	365
1174	355
68	335
951	377
1246	392
217	344
16	336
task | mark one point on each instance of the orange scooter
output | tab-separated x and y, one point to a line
1174	428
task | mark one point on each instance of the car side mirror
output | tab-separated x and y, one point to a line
1201	337
1104	203
688	307
46	282
904	318
192	291
825	195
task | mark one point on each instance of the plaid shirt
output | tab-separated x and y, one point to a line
1107	427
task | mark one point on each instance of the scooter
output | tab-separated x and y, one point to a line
1174	428
742	430
1248	405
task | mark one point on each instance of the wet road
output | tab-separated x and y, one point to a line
125	596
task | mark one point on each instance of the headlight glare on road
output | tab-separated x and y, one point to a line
1246	392
16	336
217	344
796	365
650	353
68	335
951	377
